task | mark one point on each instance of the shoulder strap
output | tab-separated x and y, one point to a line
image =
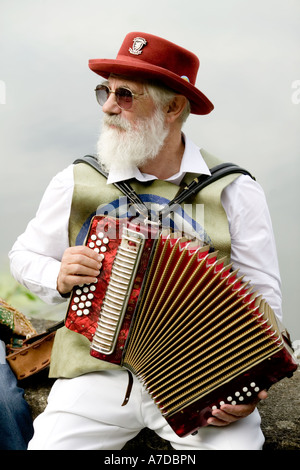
91	160
123	186
200	182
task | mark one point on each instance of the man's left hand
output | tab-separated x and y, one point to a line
227	414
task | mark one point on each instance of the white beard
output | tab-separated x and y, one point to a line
124	145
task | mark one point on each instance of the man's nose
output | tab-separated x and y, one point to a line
110	106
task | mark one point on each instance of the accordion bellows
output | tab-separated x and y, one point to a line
167	309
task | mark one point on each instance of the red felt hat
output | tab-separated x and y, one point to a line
146	56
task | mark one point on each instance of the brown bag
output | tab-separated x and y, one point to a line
27	351
32	357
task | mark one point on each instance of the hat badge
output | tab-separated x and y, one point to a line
137	46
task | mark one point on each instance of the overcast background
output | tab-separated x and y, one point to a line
250	69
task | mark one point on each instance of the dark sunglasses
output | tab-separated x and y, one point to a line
124	96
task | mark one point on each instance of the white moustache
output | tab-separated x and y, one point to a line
116	121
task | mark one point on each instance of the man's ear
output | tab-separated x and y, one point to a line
175	107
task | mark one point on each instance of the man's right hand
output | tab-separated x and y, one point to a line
79	265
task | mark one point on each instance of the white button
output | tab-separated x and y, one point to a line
86	311
88	304
79	313
83	298
103	249
222	403
105	240
90	296
245	389
237	394
78	291
253	384
214	407
100	235
91	244
233	402
241	398
74	307
93	288
229	398
93	237
256	389
81	305
248	394
76	300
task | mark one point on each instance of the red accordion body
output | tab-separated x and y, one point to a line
171	312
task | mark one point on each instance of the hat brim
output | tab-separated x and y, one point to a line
200	104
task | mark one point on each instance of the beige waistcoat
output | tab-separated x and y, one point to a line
71	351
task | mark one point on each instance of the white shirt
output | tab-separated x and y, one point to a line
36	255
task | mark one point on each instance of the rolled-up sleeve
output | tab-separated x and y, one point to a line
36	255
253	247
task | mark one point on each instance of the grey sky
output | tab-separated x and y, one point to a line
249	55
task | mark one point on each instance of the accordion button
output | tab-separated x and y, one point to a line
245	389
93	237
105	240
86	311
229	398
91	244
214	407
76	300
253	384
85	290
222	403
103	249
79	313
248	394
90	296
93	288
233	402
78	291
88	304
98	242
81	305
100	235
83	298
241	398
256	389
97	250
237	394
74	307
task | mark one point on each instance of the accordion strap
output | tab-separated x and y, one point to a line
196	185
123	186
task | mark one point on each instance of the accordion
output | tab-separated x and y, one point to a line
181	320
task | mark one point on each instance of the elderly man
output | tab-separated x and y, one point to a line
148	93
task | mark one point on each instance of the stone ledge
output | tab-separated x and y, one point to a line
280	415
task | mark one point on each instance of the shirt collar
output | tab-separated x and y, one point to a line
192	162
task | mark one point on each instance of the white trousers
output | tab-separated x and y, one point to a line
85	413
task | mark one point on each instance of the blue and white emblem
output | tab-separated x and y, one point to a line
180	218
